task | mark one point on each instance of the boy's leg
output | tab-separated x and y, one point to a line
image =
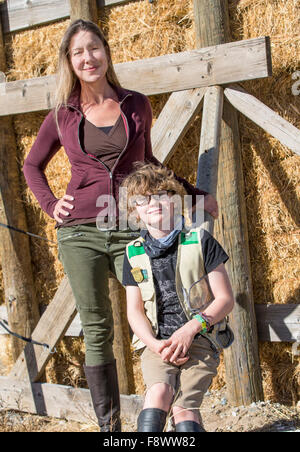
195	378
160	379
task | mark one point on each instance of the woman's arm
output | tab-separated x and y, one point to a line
44	148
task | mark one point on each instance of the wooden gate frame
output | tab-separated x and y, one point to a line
209	74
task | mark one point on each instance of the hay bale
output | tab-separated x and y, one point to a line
141	30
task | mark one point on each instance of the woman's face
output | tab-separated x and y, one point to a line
88	57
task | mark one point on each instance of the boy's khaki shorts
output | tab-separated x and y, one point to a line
189	381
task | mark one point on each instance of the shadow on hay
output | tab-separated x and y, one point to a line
281	179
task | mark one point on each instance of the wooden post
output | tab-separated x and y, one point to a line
84	9
87	10
243	376
20	298
208	160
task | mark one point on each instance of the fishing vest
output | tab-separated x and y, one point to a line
189	269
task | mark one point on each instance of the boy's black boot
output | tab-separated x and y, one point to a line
189	426
103	384
151	420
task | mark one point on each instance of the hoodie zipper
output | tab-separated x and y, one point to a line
110	172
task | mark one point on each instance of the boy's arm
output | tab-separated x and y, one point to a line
216	311
138	321
140	324
223	297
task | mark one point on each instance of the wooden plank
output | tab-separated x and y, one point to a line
278	323
174	120
243	377
265	117
275	322
74	330
226	63
198	68
59	401
50	329
21	14
28	95
208	160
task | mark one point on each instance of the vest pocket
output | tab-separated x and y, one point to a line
147	290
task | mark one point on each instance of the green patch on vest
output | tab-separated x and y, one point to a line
135	250
189	238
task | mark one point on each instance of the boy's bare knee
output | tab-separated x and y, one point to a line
161	389
159	395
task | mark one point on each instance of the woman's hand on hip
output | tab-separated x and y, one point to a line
61	206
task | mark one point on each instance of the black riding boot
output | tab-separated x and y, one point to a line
103	384
189	426
151	420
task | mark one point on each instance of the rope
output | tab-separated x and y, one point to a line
3	323
7	226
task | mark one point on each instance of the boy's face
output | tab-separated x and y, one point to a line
158	210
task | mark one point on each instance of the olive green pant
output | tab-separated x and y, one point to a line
88	255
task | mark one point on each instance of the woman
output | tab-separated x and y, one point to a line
104	129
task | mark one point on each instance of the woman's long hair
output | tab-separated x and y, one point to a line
66	78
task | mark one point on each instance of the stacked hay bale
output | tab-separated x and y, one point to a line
140	30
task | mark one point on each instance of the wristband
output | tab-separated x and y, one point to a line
204	324
206	320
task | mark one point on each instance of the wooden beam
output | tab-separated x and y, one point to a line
50	329
19	290
216	65
243	376
208	160
121	344
174	120
66	402
20	14
265	117
86	10
275	322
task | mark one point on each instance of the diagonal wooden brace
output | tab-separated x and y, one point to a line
265	117
50	330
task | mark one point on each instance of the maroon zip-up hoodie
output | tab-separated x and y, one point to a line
90	177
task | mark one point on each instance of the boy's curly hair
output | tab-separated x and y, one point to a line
149	178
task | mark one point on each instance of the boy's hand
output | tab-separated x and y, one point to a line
158	345
180	342
161	346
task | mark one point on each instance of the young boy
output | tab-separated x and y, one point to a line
178	295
